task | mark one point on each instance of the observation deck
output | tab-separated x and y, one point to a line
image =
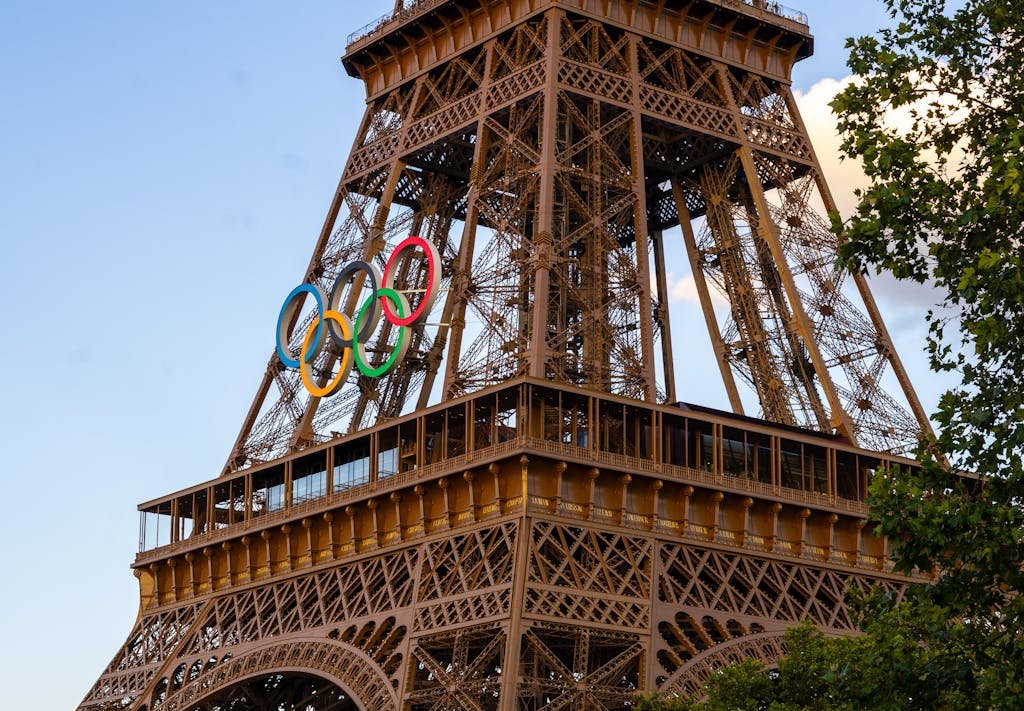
398	46
415	9
528	446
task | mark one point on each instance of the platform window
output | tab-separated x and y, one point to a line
407	457
737	457
700	446
791	457
483	422
433	437
847	480
191	516
760	448
155	527
545	405
309	479
351	465
575	420
387	453
613	427
229	502
868	467
455	439
268	491
638	432
674	433
816	468
507	415
184	519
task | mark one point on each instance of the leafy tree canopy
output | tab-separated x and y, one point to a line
945	206
936	116
825	674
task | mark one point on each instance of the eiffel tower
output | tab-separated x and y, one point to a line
505	505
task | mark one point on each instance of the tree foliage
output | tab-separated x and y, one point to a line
873	671
945	206
936	116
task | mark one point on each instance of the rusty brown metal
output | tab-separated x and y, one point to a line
539	153
518	516
591	536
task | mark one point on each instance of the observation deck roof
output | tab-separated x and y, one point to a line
771	22
415	9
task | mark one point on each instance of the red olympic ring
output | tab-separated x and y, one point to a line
433	260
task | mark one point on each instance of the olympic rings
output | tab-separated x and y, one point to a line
347	339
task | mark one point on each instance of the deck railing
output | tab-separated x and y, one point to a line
416	7
468	460
411	9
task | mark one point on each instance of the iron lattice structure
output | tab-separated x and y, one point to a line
544	148
518	516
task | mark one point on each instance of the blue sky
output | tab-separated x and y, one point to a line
166	168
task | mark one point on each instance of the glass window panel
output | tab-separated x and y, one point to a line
868	467
700	445
156	526
574	420
759	449
483	423
815	468
507	410
268	491
407	446
351	466
675	440
456	435
612	424
846	476
309	479
736	455
387	453
791	459
433	437
228	503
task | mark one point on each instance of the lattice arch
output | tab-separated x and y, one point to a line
341	664
689	680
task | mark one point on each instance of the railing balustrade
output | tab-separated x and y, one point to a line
416	7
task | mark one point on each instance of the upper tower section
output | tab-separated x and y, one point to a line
754	35
554	160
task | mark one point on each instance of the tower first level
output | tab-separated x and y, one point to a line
528	546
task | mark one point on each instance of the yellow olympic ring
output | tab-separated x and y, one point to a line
346	362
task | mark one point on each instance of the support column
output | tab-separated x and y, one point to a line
643	260
453	316
372	246
860	280
706	304
513	642
839	419
236	457
543	236
664	317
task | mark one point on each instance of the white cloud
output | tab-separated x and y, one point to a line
843	176
684	289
